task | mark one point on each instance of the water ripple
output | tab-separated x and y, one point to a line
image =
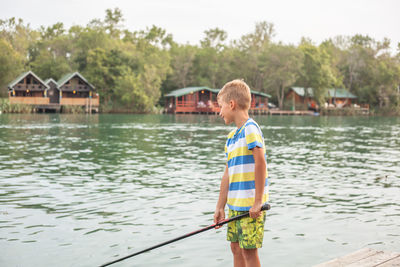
89	188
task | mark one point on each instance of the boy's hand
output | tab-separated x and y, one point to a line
219	215
255	210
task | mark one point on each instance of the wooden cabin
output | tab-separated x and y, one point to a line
204	100
72	90
338	97
29	89
76	90
53	92
192	100
259	102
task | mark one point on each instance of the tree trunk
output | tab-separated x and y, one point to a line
280	94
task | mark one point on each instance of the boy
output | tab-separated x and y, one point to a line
244	182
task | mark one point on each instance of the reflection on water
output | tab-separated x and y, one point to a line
79	190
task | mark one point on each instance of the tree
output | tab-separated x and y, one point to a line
209	62
49	57
11	65
251	46
262	35
214	38
282	64
103	69
182	61
316	73
112	22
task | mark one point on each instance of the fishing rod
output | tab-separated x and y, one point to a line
264	207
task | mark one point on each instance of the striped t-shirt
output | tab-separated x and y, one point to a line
241	165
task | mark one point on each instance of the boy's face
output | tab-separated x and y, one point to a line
226	111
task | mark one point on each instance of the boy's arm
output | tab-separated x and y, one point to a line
260	170
219	213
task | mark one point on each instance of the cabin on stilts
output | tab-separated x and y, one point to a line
340	97
335	97
203	100
192	100
71	90
28	89
259	102
75	90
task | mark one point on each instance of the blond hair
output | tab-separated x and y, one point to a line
238	91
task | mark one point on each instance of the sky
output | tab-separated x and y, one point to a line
187	20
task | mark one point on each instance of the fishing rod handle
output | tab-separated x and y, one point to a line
266	206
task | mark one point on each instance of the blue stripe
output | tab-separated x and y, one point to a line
235	138
244	185
254	144
239	160
239	208
242	132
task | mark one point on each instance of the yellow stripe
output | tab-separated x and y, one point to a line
245	202
244	177
241	177
254	137
240	151
231	134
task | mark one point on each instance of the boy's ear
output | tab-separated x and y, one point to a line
232	104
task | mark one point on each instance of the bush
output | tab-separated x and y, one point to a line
73	109
6	107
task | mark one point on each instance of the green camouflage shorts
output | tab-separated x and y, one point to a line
247	231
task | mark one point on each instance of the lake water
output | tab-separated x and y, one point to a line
81	190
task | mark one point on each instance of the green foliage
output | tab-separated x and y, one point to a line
182	64
70	109
11	65
316	71
15	38
282	65
132	70
6	107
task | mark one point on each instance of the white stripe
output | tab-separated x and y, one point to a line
252	129
245	193
242	193
241	142
237	147
241	168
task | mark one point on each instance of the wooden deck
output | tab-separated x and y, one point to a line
365	257
43	103
252	111
290	112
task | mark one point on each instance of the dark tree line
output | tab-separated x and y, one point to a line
134	69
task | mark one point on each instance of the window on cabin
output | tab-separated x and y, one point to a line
28	80
35	81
